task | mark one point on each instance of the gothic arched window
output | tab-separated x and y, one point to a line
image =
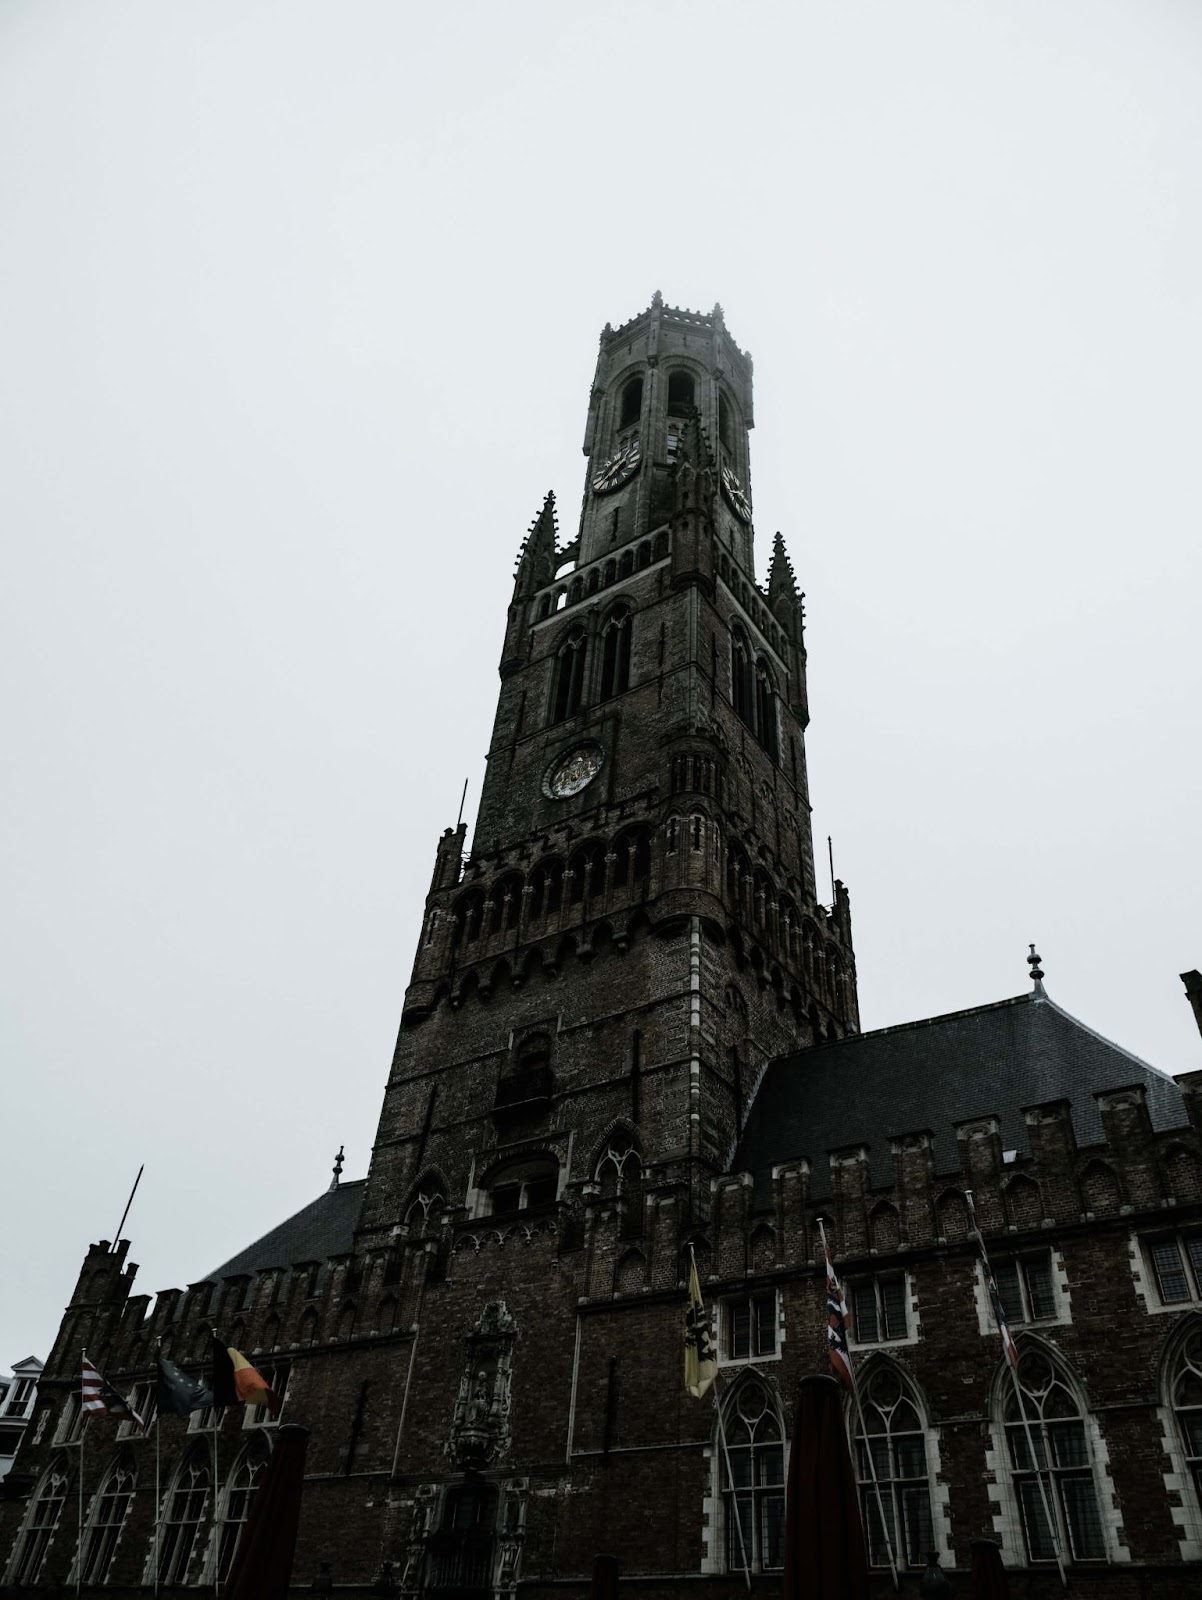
184	1513
892	1429
754	1489
615	654
587	867
506	897
107	1520
632	858
237	1503
680	394
569	675
726	430
1062	1461
40	1524
426	1206
632	403
546	888
765	709
618	1166
467	917
741	678
1185	1390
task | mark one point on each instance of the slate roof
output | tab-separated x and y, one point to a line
990	1061
325	1227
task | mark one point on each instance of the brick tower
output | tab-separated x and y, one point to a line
635	932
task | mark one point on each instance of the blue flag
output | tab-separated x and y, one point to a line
177	1392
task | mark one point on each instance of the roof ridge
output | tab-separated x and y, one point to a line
1109	1043
918	1022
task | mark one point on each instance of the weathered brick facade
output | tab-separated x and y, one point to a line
489	1362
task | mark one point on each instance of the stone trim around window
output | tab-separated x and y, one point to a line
1143	1272
987	1327
913	1326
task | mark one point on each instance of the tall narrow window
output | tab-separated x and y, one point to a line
185	1511
740	678
754	1491
615	655
765	709
587	866
569	678
891	1432
461	1553
1186	1394
107	1520
680	394
40	1524
632	403
726	430
1062	1461
237	1504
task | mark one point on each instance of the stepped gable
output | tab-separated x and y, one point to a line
323	1228
991	1060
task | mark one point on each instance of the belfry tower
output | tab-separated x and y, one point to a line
636	930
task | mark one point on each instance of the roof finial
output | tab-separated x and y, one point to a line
1036	970
338	1159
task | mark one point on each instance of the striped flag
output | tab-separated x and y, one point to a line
97	1394
836	1325
999	1314
237	1383
700	1365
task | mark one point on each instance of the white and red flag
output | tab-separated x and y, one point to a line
97	1394
836	1325
999	1312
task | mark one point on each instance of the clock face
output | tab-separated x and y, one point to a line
574	772
735	495
620	467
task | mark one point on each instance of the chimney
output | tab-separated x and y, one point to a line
1193	990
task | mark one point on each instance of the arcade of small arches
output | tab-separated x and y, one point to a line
771	934
603	573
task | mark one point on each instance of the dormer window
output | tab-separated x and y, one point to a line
632	404
680	394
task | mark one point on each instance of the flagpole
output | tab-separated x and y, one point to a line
1052	1520
216	1513
876	1486
730	1478
128	1203
79	1535
158	1493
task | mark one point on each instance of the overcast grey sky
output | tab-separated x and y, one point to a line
299	307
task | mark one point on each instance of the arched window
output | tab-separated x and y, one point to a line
569	675
632	859
524	1185
467	916
1185	1391
546	888
680	394
755	1486
892	1430
696	832
427	1205
765	709
40	1524
185	1509
308	1328
506	897
672	831
615	654
587	867
242	1483
1062	1457
618	1166
632	403
726	427
741	678
461	1554
107	1519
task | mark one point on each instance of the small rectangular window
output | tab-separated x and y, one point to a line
1026	1289
748	1327
878	1309
1170	1271
1042	1300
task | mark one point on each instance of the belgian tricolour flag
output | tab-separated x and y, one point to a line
237	1383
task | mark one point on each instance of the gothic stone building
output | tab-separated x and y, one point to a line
632	1032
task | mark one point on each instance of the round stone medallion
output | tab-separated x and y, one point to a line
574	772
